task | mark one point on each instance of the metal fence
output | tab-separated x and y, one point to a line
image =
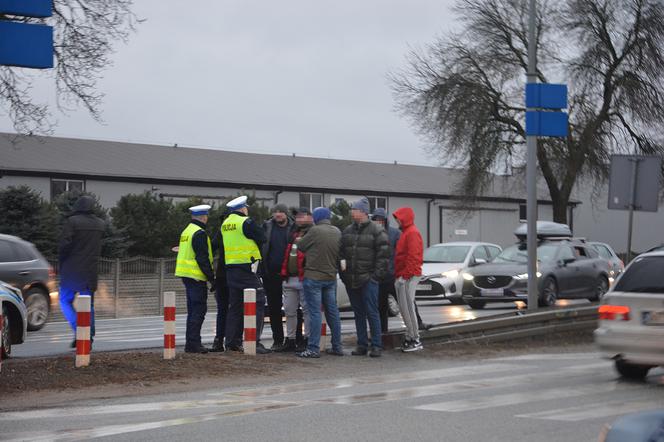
133	287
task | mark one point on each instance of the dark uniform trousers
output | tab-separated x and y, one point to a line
240	277
221	295
196	310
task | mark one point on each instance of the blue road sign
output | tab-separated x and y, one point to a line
26	45
27	8
546	124
546	96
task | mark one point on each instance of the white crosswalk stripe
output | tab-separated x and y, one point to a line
593	411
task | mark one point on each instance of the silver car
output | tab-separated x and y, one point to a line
606	252
14	315
631	318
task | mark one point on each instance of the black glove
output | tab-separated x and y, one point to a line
213	286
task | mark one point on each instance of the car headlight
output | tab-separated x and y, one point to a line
450	274
524	276
467	276
612	273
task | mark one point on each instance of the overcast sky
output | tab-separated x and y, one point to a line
264	76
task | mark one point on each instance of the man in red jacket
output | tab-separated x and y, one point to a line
408	272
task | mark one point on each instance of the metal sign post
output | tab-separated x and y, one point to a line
531	171
632	202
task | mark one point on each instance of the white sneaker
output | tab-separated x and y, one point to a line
414	346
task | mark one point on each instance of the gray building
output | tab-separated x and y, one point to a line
112	169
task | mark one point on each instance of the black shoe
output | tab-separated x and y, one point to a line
200	350
333	352
289	345
235	348
302	346
261	350
359	351
375	352
277	346
217	346
73	343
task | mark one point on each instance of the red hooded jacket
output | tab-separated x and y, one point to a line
300	257
409	250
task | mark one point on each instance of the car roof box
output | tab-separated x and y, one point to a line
545	229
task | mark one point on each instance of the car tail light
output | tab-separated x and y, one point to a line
614	313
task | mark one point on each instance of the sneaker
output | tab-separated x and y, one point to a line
261	350
302	346
407	344
359	351
333	352
414	346
375	352
308	354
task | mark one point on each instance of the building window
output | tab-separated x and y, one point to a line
523	213
377	202
59	187
311	200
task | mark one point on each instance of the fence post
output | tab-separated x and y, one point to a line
161	284
83	323
169	324
116	288
249	343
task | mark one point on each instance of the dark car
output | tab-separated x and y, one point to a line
14	319
567	268
22	266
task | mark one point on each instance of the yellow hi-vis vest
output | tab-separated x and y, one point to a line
186	265
238	249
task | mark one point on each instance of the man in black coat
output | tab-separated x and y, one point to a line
79	250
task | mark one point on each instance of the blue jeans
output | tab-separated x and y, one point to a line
67	296
317	293
364	301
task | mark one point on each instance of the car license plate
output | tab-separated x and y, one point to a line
653	318
492	292
425	287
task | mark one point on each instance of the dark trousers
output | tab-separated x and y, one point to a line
196	310
240	278
274	293
221	295
385	289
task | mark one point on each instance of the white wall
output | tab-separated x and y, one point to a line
41	185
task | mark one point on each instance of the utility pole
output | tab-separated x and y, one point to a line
531	168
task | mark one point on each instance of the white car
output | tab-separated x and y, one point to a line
631	318
445	263
343	301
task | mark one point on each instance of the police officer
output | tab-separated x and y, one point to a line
194	266
241	239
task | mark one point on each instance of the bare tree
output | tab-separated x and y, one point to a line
464	92
84	34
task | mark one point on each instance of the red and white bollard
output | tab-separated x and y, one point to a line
249	342
169	325
83	321
323	330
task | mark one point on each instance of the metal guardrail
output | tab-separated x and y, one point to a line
514	326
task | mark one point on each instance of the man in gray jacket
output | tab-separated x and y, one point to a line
321	247
365	251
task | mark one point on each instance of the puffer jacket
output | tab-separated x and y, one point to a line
408	255
366	249
300	255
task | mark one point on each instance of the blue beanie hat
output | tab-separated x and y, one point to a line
321	213
361	204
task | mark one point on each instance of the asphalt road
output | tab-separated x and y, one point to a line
534	397
147	332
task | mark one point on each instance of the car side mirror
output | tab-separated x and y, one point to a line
478	261
566	261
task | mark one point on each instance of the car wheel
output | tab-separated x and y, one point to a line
37	305
477	305
6	337
549	293
632	371
392	306
601	287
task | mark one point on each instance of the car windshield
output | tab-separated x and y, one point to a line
518	253
446	253
644	275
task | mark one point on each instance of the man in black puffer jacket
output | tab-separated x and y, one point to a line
365	255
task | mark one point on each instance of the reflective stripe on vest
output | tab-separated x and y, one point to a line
186	265
238	249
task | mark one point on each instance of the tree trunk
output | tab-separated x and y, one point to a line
560	209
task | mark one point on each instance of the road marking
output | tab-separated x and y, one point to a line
370	380
549	357
460	386
517	398
593	411
47	413
112	430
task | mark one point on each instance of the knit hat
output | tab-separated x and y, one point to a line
321	213
379	213
361	204
303	211
280	208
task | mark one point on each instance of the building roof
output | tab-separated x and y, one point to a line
117	161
